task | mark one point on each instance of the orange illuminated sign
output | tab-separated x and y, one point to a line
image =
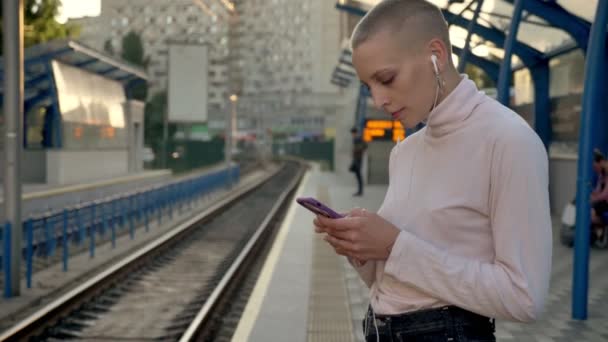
107	132
78	132
383	130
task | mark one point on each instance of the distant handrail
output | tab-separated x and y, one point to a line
43	233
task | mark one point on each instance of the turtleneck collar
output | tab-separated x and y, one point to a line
454	109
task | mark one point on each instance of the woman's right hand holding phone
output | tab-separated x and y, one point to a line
361	235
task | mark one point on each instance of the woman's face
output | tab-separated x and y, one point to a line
401	82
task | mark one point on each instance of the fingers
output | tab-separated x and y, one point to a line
342	247
347	223
346	235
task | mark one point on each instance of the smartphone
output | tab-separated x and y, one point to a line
318	207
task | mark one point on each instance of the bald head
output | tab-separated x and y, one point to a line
412	22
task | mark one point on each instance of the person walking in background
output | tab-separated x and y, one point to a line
359	146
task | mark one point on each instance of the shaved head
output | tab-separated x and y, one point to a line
413	23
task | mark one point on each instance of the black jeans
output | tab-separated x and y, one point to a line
448	323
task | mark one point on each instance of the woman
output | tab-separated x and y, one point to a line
464	232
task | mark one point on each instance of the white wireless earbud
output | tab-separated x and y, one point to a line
434	60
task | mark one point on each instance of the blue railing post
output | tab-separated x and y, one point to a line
104	218
131	213
92	232
8	291
159	205
140	206
592	108
65	244
124	209
49	236
113	218
81	233
146	209
170	200
29	252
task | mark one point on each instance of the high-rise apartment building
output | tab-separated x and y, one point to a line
157	22
283	54
276	55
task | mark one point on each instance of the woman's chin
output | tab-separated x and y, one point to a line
409	124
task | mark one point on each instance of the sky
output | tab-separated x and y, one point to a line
78	8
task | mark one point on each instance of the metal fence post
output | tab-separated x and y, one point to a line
48	234
29	252
113	218
159	206
131	214
8	291
81	233
170	200
65	240
92	232
146	209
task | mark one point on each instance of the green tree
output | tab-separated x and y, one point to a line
40	25
133	52
481	79
153	122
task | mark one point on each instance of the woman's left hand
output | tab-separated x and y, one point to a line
361	235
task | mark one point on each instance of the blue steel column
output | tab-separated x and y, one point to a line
592	108
464	54
504	78
542	102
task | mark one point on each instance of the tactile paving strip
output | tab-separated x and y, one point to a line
329	316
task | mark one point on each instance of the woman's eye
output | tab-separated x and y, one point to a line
388	81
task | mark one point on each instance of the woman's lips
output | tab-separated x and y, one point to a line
396	114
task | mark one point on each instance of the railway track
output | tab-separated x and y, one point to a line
190	284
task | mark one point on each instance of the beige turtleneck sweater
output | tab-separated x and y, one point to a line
469	193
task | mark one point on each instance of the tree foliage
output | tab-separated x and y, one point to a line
481	79
40	25
153	121
132	51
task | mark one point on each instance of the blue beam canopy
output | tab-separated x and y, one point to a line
491	68
38	72
548	28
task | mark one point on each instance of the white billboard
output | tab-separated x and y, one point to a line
188	83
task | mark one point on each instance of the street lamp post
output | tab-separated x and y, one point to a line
13	133
230	134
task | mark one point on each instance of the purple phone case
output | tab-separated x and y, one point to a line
317	207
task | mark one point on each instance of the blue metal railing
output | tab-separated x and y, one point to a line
85	223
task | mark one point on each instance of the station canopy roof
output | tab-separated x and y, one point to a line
537	29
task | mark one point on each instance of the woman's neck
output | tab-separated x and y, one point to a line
450	78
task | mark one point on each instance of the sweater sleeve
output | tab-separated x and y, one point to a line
367	271
515	284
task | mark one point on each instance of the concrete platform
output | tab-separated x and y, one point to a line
307	293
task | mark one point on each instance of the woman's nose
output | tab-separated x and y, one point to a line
379	99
